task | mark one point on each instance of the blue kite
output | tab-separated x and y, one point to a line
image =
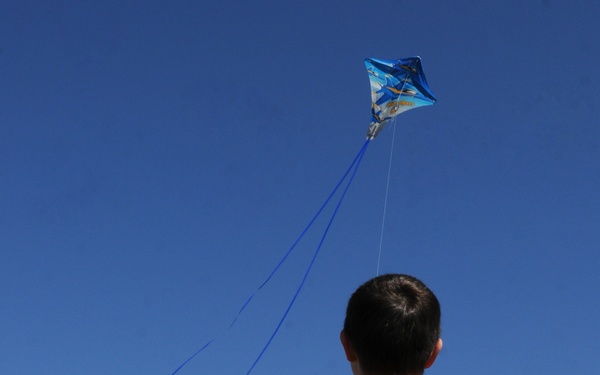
396	87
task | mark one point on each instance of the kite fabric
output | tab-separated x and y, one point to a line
396	87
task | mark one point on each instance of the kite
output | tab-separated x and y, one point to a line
396	87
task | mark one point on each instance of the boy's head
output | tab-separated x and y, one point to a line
392	326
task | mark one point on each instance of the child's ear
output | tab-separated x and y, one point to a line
434	353
350	355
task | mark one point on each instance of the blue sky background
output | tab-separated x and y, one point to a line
157	159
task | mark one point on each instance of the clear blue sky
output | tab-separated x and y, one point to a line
158	158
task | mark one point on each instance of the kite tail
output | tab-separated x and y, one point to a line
354	165
357	160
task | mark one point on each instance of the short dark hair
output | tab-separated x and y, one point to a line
393	324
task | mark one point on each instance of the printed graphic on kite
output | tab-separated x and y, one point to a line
396	87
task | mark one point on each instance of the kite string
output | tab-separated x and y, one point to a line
359	156
387	188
